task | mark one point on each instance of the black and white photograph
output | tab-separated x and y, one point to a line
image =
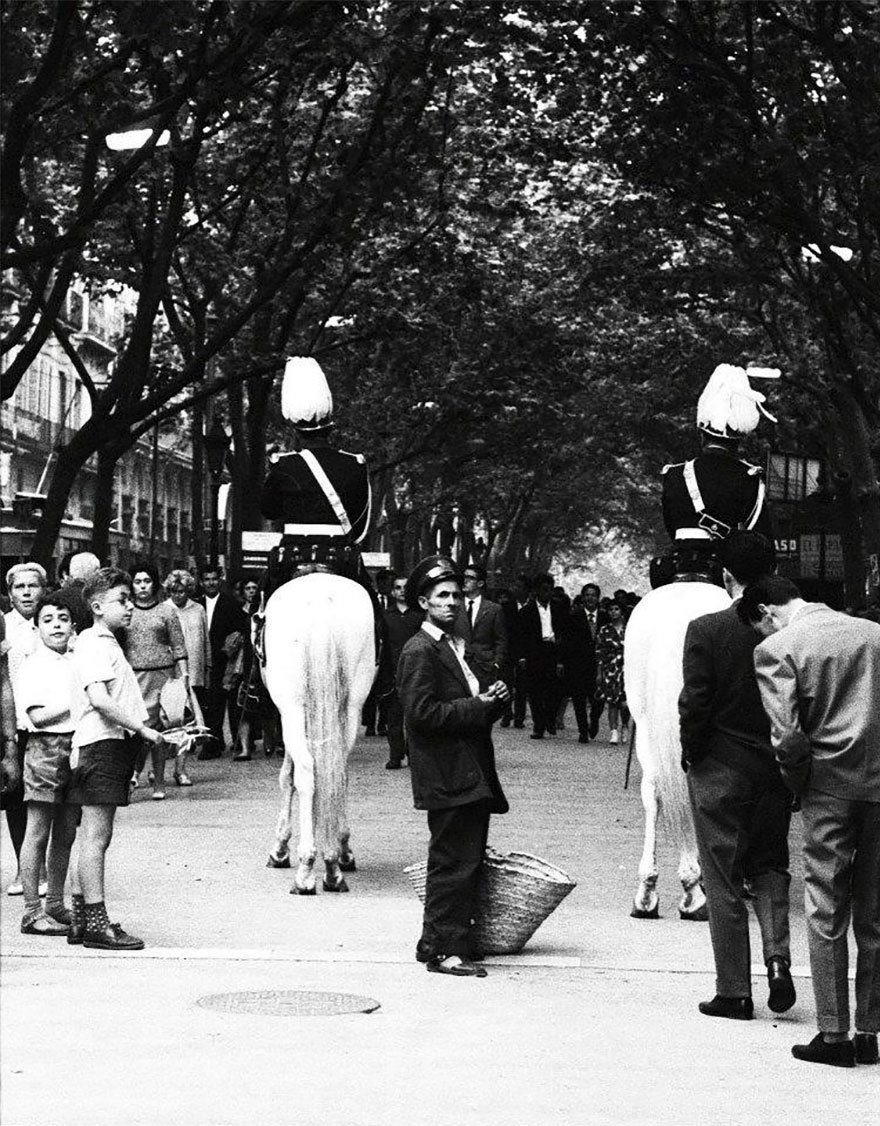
439	562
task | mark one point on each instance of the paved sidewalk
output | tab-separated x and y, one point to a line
595	1022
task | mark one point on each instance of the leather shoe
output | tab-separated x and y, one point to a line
456	969
866	1047
840	1054
75	934
782	994
392	764
536	735
44	925
734	1008
583	738
112	937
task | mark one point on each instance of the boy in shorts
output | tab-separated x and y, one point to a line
48	693
104	751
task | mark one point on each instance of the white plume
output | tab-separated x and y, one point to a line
729	406
306	400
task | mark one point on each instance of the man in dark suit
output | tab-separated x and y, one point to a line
225	616
543	630
512	607
818	672
741	806
448	716
480	623
401	622
584	623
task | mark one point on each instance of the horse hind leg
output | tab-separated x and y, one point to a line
293	729
692	906
646	904
341	859
279	857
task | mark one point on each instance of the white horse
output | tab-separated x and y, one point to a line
320	665
652	669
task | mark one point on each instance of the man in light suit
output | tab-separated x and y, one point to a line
741	806
448	716
819	673
480	623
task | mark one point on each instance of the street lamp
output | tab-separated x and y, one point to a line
216	447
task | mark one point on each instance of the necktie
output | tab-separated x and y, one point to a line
471	612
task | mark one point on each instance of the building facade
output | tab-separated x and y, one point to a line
48	407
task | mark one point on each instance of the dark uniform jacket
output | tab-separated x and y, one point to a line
486	638
292	495
228	618
720	709
451	757
729	488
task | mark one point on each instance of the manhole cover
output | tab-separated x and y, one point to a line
290	1003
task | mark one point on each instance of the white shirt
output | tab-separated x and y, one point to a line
456	644
210	603
98	658
22	639
546	617
475	602
46	679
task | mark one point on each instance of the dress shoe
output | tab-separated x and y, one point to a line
424	953
112	937
866	1047
242	757
370	733
551	730
583	738
782	994
505	722
43	925
455	969
840	1054
392	764
76	933
537	735
734	1008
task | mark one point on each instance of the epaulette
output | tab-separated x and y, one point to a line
754	470
672	465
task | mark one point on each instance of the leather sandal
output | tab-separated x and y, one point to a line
43	925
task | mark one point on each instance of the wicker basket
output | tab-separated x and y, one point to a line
516	893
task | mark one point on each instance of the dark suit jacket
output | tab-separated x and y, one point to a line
819	682
580	649
532	647
228	618
451	757
720	709
486	639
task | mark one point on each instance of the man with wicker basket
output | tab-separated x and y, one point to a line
448	717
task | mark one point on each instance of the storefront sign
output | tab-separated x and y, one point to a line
811	556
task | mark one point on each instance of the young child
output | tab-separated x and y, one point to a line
48	694
104	751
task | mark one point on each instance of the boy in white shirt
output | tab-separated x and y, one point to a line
104	750
47	694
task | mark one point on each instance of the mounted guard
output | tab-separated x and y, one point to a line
715	493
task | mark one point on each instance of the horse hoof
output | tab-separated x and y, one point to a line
348	864
274	862
701	915
645	912
303	891
340	886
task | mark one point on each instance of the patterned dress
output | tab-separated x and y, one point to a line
609	660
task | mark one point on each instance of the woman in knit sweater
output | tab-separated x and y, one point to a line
155	649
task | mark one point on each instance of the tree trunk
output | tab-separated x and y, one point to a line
68	465
104	509
855	447
197	486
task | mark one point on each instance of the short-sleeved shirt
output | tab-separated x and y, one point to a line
22	639
46	678
98	658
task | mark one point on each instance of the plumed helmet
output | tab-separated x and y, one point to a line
426	573
305	396
729	407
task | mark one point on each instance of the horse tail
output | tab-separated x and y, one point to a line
326	706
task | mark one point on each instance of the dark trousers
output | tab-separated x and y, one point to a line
455	853
581	685
842	878
374	711
13	804
394	731
218	700
742	825
515	707
545	688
